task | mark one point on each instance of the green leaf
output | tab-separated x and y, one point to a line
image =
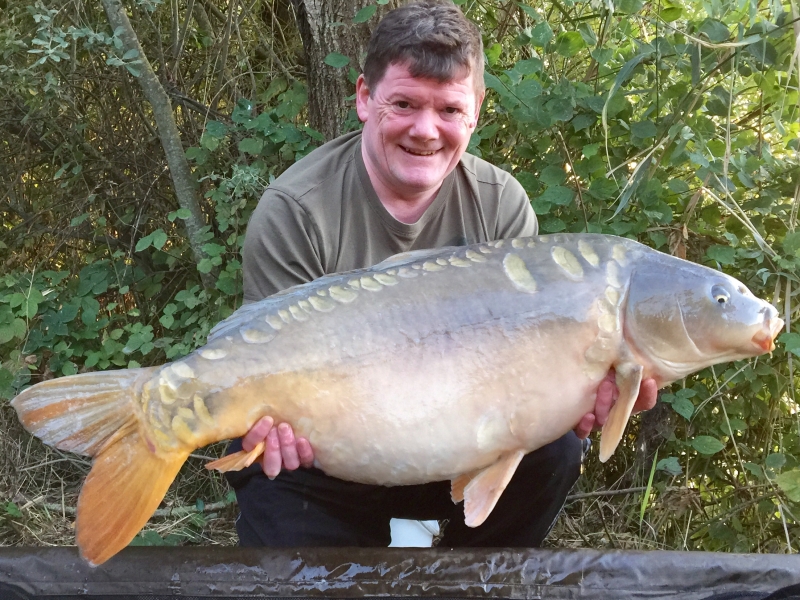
336	60
251	146
791	243
227	285
671	13
529	89
530	11
159	238
130	54
683	407
589	150
791	342
144	243
558	194
670	465
705	444
569	43
529	66
633	184
205	265
69	368
552	175
553	225
583	121
716	31
724	255
493	53
541	34
365	14
643	129
789	482
78	220
12	510
15	329
775	460
588	34
631	6
216	129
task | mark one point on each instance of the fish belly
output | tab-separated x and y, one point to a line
431	412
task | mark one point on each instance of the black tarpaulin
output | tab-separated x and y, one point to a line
216	572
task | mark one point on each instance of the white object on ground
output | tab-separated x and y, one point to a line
413	534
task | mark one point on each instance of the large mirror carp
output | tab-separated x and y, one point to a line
445	364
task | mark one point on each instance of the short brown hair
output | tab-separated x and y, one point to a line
434	39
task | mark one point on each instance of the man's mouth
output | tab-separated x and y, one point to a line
418	152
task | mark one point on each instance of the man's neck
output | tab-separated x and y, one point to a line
406	208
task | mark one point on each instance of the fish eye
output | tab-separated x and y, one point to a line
720	294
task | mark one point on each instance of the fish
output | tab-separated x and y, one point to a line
434	365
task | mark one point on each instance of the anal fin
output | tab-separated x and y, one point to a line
236	461
629	378
484	487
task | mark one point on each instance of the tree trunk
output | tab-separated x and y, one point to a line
168	133
327	26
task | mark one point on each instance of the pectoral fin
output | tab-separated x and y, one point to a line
629	377
484	487
237	461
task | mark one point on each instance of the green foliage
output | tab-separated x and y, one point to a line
675	125
672	124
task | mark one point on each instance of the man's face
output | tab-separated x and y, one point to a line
415	130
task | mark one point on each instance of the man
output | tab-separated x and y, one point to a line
403	183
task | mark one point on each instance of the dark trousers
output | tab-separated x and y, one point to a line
308	508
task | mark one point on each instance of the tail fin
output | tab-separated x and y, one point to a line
94	414
80	412
126	484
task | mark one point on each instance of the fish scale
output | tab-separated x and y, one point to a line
445	364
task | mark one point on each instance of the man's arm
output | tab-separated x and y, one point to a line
281	249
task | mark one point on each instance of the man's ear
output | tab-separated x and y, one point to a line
478	103
362	97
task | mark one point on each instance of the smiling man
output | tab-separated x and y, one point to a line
403	183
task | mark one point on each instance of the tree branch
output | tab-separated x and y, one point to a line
180	172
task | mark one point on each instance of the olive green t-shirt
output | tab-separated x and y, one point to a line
322	216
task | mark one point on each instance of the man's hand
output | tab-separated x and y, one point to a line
607	394
282	450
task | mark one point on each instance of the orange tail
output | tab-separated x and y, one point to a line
95	414
126	484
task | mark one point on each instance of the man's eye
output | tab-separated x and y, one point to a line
403	104
451	110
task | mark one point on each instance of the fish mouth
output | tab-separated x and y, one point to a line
765	337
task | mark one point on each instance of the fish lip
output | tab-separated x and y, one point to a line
765	337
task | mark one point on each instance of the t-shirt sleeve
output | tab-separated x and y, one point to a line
515	215
281	247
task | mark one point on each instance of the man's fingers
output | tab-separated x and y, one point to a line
291	460
606	395
584	428
648	394
273	461
305	452
258	433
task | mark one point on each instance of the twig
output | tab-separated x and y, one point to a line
176	511
609	493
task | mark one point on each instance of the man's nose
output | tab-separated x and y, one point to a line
425	125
